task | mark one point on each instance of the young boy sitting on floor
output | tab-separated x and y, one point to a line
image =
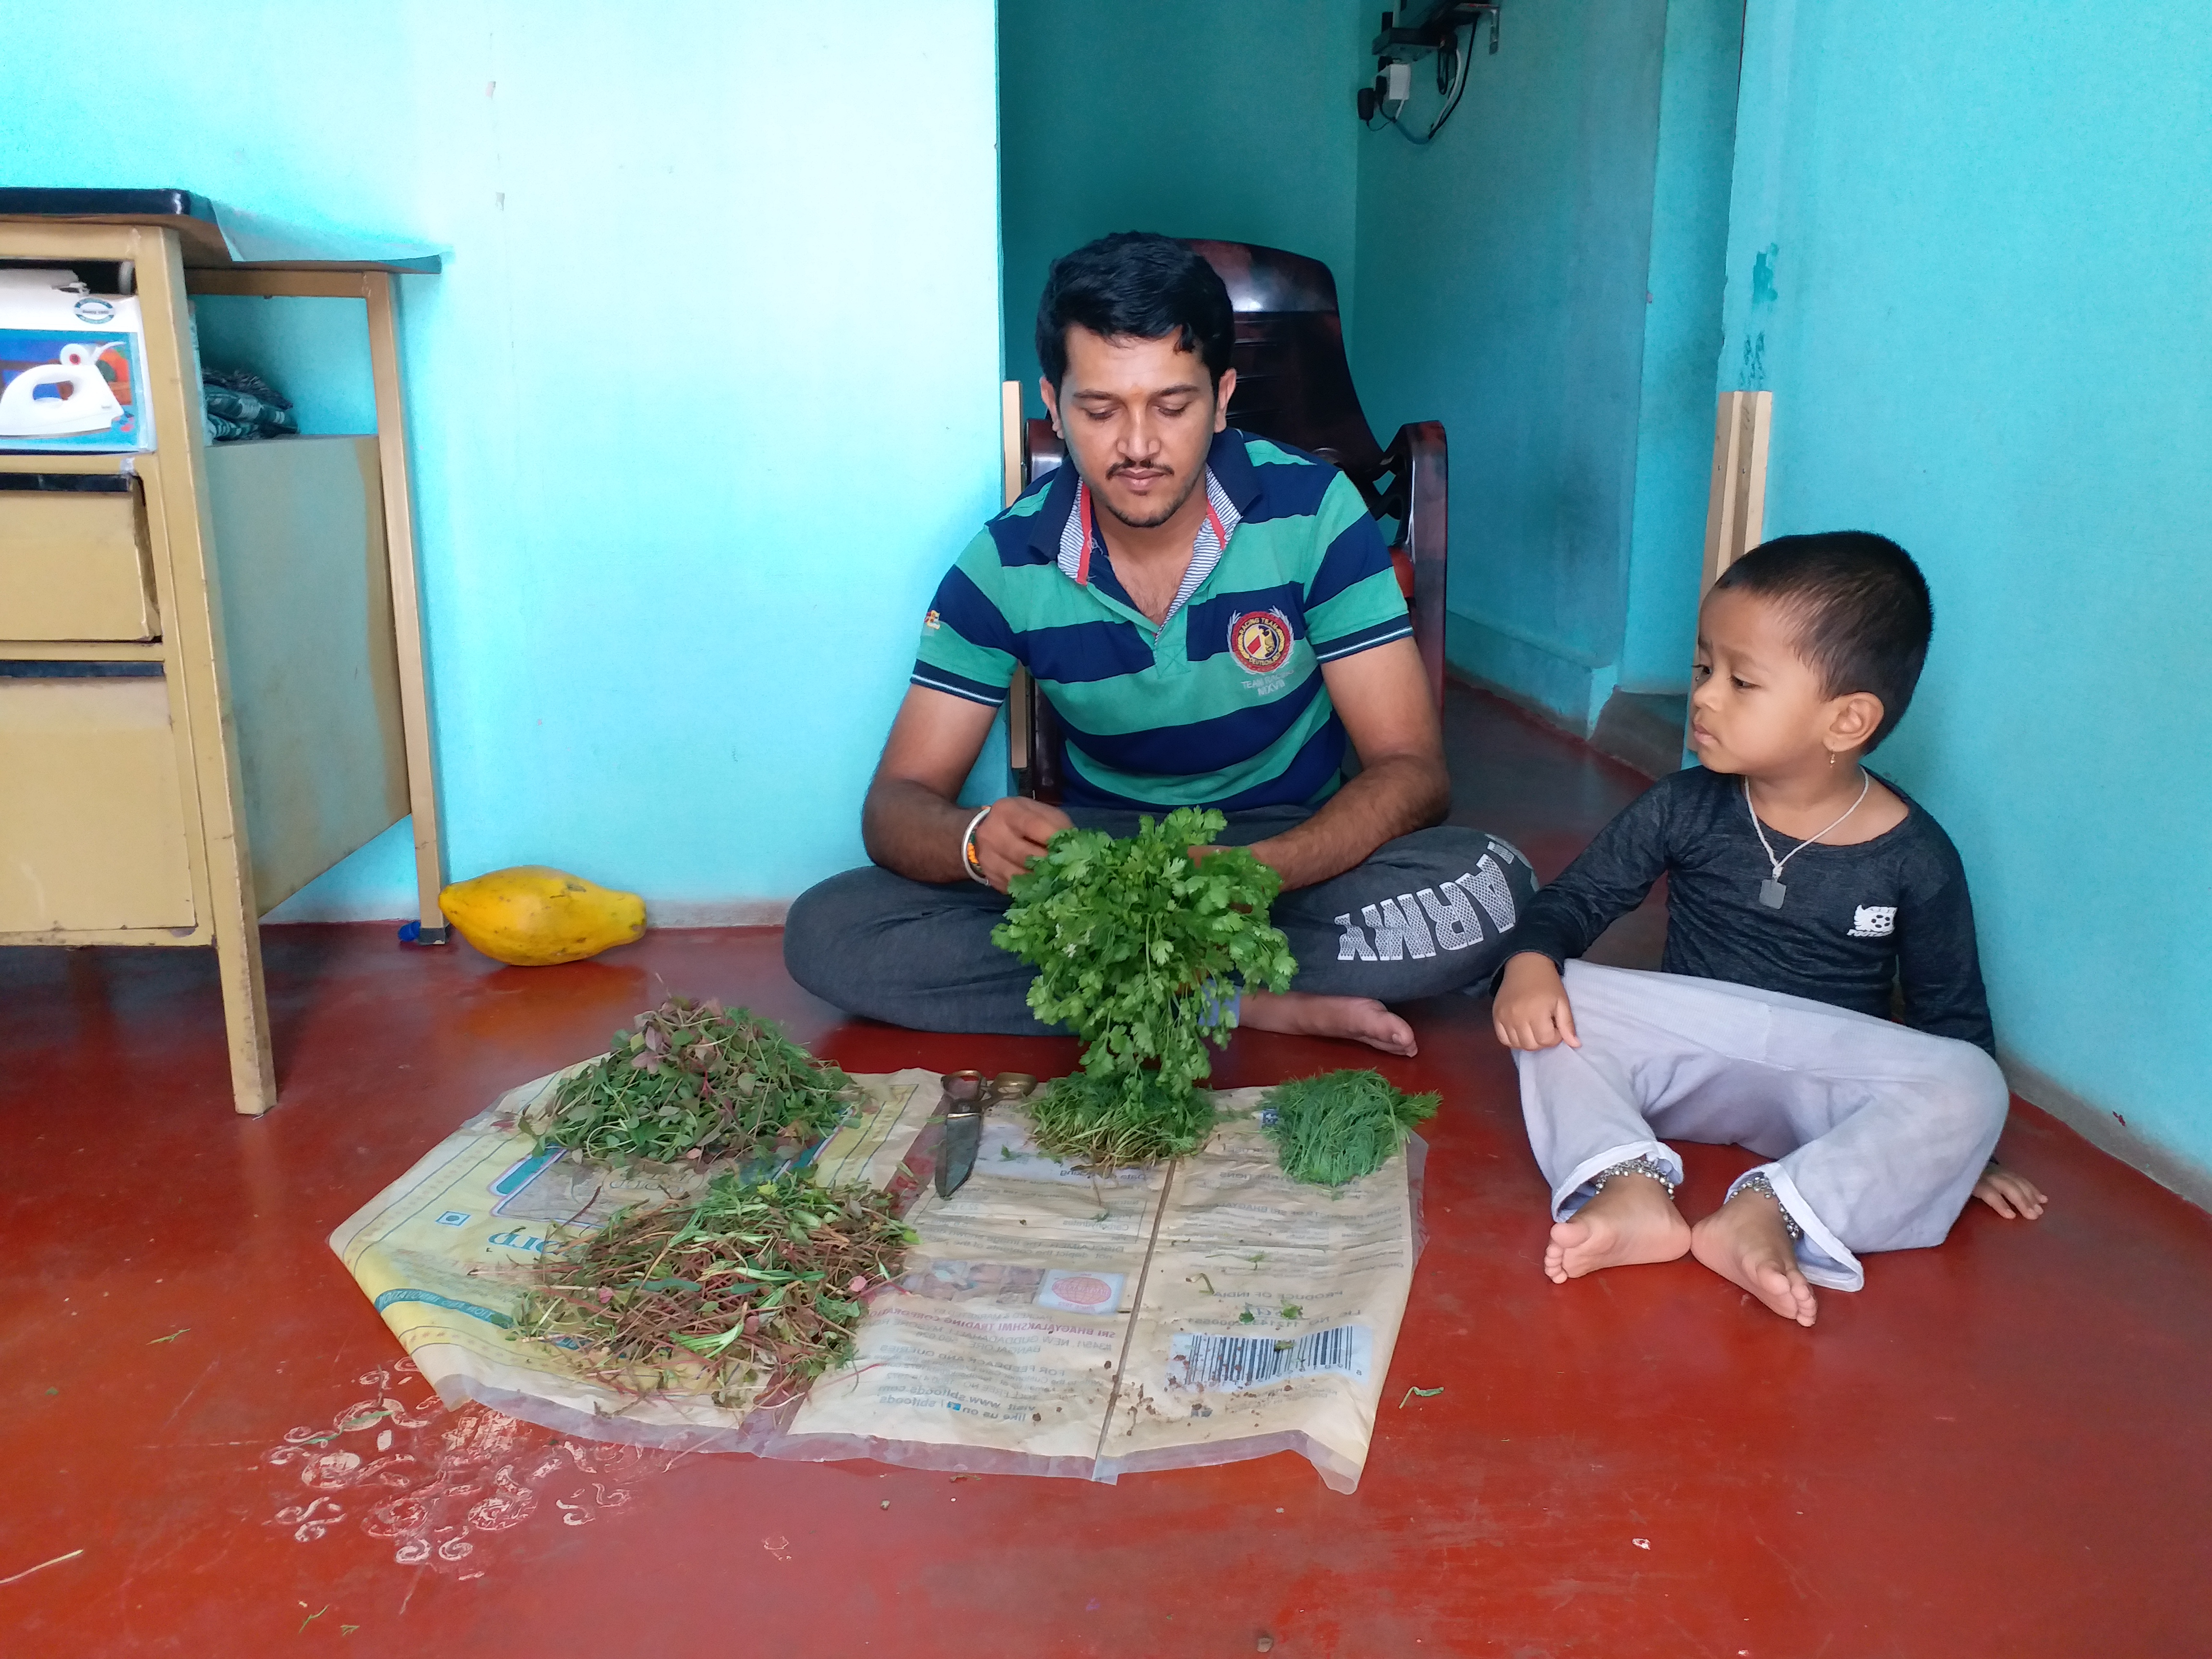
1801	889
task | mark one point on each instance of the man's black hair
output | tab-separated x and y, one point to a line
1860	607
1135	284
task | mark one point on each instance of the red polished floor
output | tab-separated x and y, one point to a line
1998	1448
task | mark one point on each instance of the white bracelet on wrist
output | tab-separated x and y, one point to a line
968	859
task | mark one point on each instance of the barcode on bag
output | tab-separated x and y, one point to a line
1230	1363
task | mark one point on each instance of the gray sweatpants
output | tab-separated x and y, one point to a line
1877	1132
1429	912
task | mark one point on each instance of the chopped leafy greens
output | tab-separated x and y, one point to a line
1341	1125
690	1081
747	1292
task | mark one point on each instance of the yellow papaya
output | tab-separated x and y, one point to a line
531	916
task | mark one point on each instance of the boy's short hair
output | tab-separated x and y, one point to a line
1136	284
1860	607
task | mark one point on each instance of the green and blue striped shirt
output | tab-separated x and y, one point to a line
1223	704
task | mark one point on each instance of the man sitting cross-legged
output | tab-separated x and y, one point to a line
1214	618
1800	890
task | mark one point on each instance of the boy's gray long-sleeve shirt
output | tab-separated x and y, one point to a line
1856	919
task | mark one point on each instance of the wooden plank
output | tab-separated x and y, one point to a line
1019	735
310	663
92	825
1735	506
1752	512
84	650
1721	505
406	605
199	936
193	608
59	242
280	284
153	501
1010	441
110	465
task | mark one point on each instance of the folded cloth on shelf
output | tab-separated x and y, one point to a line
240	404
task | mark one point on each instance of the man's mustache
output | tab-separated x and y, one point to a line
1120	467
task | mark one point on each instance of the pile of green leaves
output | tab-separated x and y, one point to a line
1136	945
748	1292
1341	1125
690	1081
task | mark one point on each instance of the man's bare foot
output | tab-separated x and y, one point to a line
1360	1019
1745	1243
1632	1220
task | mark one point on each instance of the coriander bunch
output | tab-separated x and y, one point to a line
1135	943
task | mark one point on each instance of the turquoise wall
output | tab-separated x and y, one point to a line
1192	118
1502	276
1682	341
1497	279
704	403
1968	255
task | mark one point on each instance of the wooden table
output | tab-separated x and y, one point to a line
211	683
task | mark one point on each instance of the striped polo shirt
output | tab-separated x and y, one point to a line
1223	704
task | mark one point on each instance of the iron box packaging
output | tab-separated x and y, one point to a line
72	366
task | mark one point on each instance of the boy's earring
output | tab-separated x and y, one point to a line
1832	757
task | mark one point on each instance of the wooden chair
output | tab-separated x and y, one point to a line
1293	383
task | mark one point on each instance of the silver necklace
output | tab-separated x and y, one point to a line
1771	893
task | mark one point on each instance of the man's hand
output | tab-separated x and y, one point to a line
1531	1010
912	820
1016	832
2013	1196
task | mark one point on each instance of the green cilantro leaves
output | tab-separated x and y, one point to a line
1135	944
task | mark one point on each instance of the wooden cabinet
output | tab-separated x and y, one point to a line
211	683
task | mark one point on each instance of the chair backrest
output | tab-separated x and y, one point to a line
1293	380
1294	385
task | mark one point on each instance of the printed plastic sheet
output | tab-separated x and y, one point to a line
1047	1322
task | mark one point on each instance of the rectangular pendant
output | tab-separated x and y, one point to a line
1771	893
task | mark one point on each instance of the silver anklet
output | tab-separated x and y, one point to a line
1760	1184
1645	1165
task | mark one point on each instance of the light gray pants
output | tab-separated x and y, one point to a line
1877	1132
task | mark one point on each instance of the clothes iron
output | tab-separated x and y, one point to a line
88	406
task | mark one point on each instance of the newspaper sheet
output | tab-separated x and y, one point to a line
1047	1322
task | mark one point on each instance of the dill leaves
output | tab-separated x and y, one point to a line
747	1292
1136	944
690	1081
1341	1126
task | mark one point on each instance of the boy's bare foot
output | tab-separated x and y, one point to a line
1745	1243
1632	1220
1301	1013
